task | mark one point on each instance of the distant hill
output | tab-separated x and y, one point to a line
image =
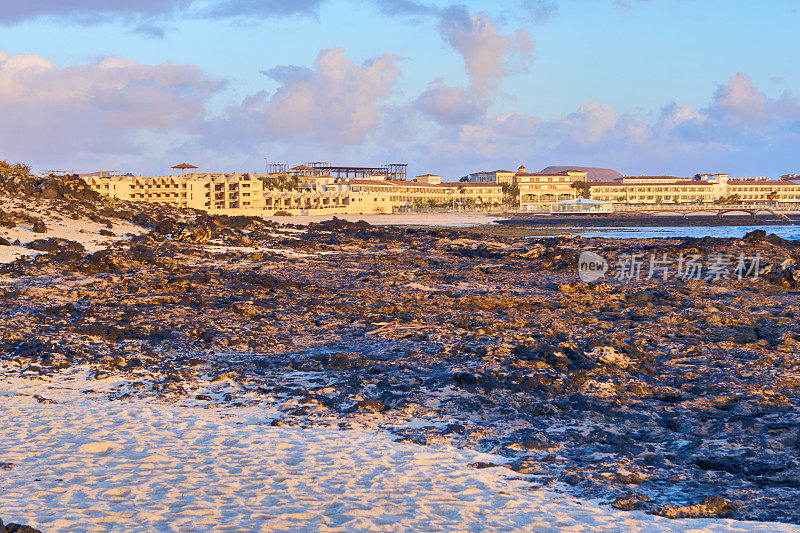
594	174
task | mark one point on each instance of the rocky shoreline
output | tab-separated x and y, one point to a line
680	398
12	527
639	220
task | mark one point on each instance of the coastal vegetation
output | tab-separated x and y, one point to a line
14	169
282	183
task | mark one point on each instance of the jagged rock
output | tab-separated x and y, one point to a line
102	330
39	227
266	280
338	224
19	528
710	507
372	404
248	310
68	255
634	502
6	222
144	219
106	260
197	235
671	389
165	226
756	235
54	245
19	181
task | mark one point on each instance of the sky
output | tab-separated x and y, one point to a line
640	86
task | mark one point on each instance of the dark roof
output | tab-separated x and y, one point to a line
655	178
400	183
759	182
469	184
376	182
592	173
682	181
184	165
542	174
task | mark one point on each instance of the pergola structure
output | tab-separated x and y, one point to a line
395	171
59	172
103	174
183	167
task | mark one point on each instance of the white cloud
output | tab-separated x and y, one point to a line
488	57
675	115
95	11
741	130
591	123
740	100
50	112
485	51
339	102
115	112
450	105
541	10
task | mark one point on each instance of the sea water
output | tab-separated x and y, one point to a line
788	231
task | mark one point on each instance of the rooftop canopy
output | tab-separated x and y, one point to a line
581	206
579	201
183	167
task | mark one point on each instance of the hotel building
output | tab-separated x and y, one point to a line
703	189
538	189
300	192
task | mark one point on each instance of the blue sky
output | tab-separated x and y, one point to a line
658	86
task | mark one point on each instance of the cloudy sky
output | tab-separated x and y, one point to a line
641	86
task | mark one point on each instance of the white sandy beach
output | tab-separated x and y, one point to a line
457	219
92	464
60	226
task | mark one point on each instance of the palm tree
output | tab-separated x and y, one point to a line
510	193
581	188
461	190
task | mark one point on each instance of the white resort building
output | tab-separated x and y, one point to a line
702	189
299	191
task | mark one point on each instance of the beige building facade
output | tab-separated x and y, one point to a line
495	176
317	195
704	189
654	190
207	192
430	191
538	190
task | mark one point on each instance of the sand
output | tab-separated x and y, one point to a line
88	463
453	219
58	225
